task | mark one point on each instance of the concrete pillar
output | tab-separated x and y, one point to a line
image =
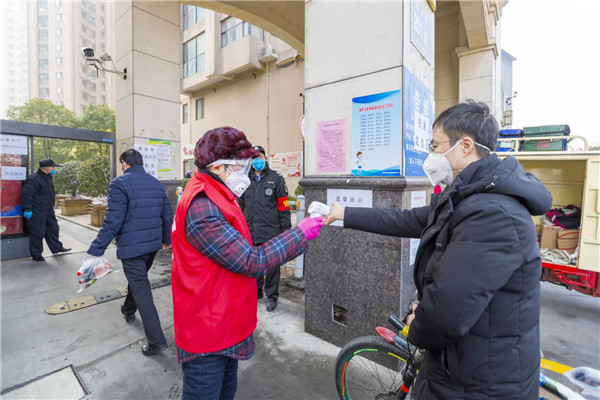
478	74
149	45
354	280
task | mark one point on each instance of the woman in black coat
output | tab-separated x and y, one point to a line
478	265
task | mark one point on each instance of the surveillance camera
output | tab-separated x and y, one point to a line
88	52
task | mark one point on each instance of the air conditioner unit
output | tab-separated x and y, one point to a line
267	54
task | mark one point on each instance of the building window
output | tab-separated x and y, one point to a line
92	20
185	113
42	21
60	103
92	7
92	87
42	36
233	29
193	56
84	83
42	50
58	17
44	93
200	109
59	75
44	79
59	2
92	34
58	31
59	90
59	46
59	61
42	5
43	63
92	100
191	16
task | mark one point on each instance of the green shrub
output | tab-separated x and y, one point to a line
299	191
66	180
94	177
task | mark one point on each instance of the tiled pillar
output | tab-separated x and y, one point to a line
148	44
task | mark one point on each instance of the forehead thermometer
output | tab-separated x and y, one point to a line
318	209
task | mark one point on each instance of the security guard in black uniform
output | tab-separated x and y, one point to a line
37	199
267	212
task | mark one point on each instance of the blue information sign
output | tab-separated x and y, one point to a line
421	22
418	120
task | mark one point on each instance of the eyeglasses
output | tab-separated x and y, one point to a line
433	144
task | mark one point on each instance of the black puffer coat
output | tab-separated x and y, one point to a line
477	273
38	193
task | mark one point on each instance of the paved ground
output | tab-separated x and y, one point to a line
105	351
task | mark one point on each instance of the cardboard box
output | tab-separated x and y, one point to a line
569	245
549	237
569	234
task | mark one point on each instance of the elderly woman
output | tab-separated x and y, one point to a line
215	266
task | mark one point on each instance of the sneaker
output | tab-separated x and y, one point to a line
148	350
272	305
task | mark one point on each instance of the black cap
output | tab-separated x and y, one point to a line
260	148
47	162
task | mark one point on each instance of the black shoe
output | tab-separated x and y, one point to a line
148	350
272	305
40	258
128	317
63	250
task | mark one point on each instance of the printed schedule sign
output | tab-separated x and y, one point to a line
163	154
377	134
418	121
331	146
150	158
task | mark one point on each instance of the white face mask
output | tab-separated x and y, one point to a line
438	168
237	181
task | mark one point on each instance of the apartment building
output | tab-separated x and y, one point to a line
234	73
57	31
13	47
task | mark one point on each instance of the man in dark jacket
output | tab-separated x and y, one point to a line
478	265
267	212
139	215
37	199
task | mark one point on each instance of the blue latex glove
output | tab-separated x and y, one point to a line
28	214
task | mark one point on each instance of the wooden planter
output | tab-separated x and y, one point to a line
75	206
97	213
59	199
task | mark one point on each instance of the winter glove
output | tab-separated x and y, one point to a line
28	214
311	227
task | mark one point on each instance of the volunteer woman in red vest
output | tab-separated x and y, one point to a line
215	266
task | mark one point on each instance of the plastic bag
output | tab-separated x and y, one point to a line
93	268
586	378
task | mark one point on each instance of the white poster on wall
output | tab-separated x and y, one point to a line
13	144
417	199
349	198
14	173
149	155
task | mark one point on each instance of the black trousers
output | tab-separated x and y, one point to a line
43	226
139	296
270	282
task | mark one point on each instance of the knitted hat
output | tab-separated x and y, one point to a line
222	143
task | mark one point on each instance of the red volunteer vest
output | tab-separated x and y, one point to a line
213	308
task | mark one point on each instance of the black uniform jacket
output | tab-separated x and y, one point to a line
477	275
38	193
265	205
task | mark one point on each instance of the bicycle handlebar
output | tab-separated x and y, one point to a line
401	326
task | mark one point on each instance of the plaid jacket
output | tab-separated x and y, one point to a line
208	231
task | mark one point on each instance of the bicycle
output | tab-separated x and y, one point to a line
384	367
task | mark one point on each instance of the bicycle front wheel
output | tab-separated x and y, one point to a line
369	367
